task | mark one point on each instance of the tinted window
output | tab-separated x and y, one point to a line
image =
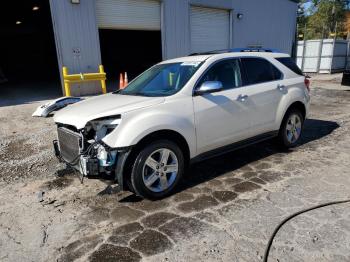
227	72
288	62
260	70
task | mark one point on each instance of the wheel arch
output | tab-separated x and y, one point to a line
294	105
165	134
297	105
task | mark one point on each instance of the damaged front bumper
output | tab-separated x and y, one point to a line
96	160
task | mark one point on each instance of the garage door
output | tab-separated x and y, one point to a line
128	14
210	29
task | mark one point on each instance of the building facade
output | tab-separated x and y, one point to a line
110	32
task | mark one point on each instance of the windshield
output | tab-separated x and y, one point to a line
162	80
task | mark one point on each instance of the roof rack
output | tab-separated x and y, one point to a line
251	49
237	50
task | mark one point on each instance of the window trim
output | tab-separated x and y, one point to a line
212	65
243	71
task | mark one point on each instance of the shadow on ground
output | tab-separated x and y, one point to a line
314	129
25	93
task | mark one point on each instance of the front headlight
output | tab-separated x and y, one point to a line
103	126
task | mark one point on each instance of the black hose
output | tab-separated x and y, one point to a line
269	244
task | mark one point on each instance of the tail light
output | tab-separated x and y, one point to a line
307	83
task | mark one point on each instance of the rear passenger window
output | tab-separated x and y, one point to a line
288	62
260	70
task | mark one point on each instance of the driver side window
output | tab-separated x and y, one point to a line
227	72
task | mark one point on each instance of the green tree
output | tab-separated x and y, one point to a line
302	18
328	16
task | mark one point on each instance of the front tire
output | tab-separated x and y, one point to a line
291	128
157	170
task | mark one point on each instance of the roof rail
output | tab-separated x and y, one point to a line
237	50
251	49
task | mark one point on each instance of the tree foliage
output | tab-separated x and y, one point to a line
322	19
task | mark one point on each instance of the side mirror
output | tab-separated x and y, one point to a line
209	87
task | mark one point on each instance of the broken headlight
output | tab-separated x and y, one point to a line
99	128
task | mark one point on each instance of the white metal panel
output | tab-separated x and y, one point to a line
327	48
210	29
312	48
310	64
128	14
332	58
299	62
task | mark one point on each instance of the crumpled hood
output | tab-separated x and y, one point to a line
101	106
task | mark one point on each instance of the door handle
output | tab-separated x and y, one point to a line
281	87
242	98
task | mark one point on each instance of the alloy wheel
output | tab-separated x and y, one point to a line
160	170
293	128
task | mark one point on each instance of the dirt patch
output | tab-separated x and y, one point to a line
125	214
111	253
157	219
246	186
58	183
151	242
200	203
224	196
122	235
17	150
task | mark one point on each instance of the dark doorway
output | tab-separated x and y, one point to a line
27	48
28	59
130	51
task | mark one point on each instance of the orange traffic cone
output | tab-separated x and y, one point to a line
126	79
121	81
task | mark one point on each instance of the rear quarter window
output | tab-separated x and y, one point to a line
288	62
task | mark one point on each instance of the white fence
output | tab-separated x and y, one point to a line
323	55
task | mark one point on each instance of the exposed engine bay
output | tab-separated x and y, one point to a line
85	151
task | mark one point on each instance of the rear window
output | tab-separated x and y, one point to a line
288	62
260	70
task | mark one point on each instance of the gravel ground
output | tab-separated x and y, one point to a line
224	211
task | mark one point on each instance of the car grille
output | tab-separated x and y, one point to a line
69	143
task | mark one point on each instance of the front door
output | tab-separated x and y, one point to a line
223	117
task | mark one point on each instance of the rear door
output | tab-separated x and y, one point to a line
264	88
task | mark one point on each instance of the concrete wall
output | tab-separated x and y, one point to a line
267	23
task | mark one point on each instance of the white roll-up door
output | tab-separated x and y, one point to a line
128	14
210	29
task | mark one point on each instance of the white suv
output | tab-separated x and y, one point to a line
182	111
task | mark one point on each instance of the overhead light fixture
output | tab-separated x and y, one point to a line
239	16
75	1
35	8
18	22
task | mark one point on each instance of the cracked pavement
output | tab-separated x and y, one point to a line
225	210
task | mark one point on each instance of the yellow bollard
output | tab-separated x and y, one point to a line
80	78
66	84
103	81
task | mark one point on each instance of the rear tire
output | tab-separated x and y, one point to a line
157	169
291	128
